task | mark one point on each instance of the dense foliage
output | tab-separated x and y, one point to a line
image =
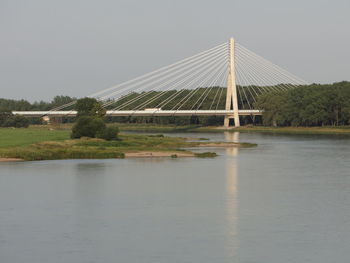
7	119
314	105
24	105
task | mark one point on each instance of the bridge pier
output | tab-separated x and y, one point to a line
227	120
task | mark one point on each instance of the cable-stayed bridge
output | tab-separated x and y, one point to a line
222	81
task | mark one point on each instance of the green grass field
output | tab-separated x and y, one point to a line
11	137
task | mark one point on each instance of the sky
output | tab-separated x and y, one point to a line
75	48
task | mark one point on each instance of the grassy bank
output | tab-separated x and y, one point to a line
42	144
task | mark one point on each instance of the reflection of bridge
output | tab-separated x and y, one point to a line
222	81
232	191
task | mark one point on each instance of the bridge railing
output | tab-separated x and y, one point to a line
143	113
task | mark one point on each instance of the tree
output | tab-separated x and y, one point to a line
61	100
90	121
89	107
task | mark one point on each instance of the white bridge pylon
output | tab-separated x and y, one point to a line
231	93
224	81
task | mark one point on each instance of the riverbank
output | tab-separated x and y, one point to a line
10	160
128	146
53	142
345	130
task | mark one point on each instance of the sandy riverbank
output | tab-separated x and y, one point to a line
10	160
219	144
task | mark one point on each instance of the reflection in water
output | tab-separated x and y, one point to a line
89	188
232	137
88	180
231	203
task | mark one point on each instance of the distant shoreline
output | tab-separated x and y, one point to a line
329	130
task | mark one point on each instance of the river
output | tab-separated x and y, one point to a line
287	200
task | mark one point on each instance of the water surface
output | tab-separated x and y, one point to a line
287	200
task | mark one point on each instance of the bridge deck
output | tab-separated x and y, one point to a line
143	113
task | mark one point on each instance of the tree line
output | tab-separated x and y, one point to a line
7	119
24	105
311	105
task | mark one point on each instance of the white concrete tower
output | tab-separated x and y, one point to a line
231	95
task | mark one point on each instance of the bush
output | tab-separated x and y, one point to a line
8	122
16	121
109	133
87	126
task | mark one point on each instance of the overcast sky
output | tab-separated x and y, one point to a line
71	47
